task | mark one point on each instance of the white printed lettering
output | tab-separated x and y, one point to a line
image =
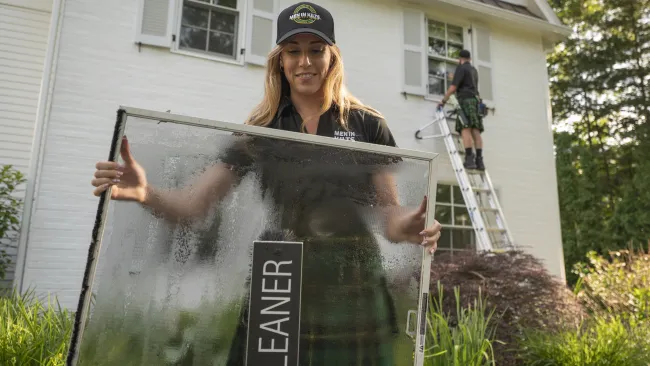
277	267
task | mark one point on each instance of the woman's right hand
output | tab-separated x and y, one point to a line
129	181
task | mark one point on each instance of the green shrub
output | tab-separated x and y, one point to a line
620	285
604	341
464	339
33	332
9	212
517	285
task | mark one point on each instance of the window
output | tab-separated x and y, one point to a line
451	212
210	26
445	41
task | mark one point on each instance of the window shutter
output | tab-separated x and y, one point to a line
414	53
482	58
154	22
261	30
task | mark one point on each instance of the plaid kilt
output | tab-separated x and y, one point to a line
473	119
347	314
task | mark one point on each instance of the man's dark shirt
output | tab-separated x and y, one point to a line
466	81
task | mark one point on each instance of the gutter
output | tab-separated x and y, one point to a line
40	131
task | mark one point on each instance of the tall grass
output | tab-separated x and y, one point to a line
32	332
603	341
463	339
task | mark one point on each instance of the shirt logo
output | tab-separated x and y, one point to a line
304	14
345	135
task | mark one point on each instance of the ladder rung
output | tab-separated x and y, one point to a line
478	189
495	230
488	209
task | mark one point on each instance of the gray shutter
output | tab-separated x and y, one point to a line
481	38
260	30
154	22
414	52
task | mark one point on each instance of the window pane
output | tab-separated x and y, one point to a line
437	68
445	238
221	43
463	238
453	50
451	70
193	38
436	47
436	29
455	34
226	3
436	86
194	16
443	214
223	22
458	196
443	193
461	216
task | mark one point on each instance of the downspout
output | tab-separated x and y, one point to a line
40	131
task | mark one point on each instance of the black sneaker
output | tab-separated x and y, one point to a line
469	162
479	163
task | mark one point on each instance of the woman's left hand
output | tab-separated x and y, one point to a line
411	228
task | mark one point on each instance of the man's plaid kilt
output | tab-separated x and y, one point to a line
472	118
347	314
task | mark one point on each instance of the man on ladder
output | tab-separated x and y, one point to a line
469	121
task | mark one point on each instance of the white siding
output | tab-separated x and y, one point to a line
100	68
23	38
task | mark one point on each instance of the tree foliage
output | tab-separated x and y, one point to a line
10	207
600	88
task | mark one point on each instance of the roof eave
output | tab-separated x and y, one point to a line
554	31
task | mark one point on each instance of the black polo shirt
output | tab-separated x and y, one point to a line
362	126
466	81
313	184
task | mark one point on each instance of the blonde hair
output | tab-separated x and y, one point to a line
335	92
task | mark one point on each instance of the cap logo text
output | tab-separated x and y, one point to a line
304	14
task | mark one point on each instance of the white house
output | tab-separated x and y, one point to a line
66	66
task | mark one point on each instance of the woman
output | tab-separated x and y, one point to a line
304	92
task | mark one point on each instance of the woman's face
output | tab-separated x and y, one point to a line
306	61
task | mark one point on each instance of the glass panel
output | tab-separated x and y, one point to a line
436	47
222	43
443	214
463	238
443	193
195	16
173	287
436	86
451	70
445	238
455	34
436	29
193	38
458	196
461	216
437	68
228	3
453	51
223	22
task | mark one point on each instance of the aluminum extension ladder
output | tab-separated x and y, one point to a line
490	228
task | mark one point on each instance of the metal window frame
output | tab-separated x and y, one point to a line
125	112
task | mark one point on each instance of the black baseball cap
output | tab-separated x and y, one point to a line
306	17
464	54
